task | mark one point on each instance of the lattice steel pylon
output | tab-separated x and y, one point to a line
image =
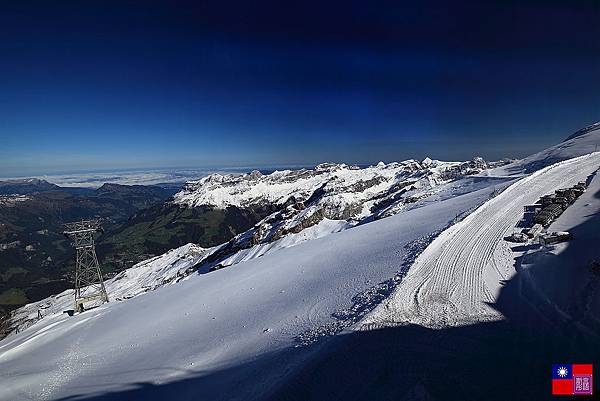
89	285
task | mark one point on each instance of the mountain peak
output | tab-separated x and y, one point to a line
427	162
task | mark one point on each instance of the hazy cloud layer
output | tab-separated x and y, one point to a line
145	177
95	179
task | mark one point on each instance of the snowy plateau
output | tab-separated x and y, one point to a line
393	281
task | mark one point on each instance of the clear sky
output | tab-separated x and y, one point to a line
87	84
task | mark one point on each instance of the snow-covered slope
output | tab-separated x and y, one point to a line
573	295
171	267
460	274
552	313
212	321
309	204
313	204
146	276
585	130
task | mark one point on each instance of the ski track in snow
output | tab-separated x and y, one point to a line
364	302
459	274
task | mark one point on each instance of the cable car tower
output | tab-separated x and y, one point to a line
89	285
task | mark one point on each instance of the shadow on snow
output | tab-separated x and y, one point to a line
506	360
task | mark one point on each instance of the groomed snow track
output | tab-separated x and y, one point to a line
455	279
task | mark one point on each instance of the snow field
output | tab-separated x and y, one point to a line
212	321
454	279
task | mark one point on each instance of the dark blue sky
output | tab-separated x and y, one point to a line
88	85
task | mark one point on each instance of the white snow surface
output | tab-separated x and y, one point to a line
572	295
452	282
169	268
144	276
212	321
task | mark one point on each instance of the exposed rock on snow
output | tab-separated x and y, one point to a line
337	187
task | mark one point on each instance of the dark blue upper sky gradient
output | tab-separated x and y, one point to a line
88	85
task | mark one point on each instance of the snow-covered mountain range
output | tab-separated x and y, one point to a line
343	191
332	196
310	204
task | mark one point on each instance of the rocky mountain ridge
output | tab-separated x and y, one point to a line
311	203
336	180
